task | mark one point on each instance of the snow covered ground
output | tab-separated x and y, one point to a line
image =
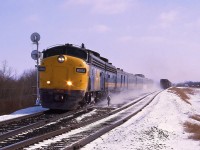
22	112
159	126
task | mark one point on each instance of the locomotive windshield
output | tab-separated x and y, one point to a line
63	50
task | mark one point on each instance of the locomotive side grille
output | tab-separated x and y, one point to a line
110	69
98	64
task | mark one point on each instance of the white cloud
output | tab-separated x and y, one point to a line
168	18
33	18
100	28
111	6
103	6
77	2
142	39
125	39
153	39
193	24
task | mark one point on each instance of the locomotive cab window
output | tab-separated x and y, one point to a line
63	50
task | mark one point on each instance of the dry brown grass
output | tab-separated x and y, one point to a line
182	93
196	117
189	91
193	128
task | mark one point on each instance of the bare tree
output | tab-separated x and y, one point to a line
15	93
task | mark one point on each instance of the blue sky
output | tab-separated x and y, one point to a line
160	39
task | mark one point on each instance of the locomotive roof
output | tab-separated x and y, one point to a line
140	75
75	46
83	49
91	51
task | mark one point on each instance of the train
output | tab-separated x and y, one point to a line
165	83
72	76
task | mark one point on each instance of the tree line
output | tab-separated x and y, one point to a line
16	92
195	84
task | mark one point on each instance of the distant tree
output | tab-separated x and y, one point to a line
189	84
6	72
7	80
7	87
15	92
27	82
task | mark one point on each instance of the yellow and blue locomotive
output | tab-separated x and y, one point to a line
72	76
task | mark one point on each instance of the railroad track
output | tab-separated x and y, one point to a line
18	122
73	131
42	127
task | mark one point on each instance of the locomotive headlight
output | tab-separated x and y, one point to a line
48	82
69	83
61	59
